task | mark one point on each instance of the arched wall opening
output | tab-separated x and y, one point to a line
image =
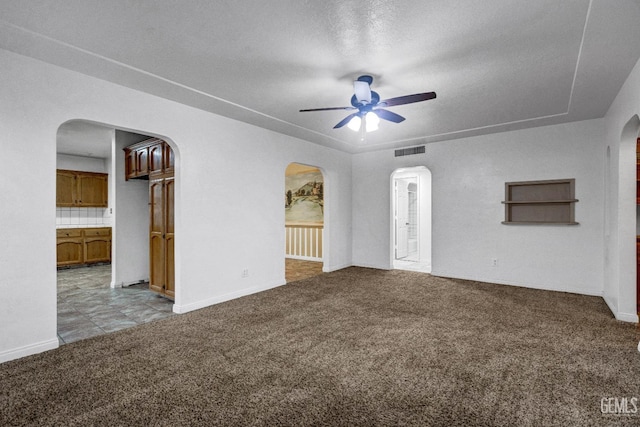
627	214
98	147
411	219
304	205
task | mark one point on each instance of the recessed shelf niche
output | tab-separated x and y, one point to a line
540	202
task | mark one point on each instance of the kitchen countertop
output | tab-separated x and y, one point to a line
61	226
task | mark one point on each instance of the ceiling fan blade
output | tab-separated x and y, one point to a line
362	91
407	99
328	109
388	115
345	120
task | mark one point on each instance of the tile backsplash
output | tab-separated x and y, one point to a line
82	217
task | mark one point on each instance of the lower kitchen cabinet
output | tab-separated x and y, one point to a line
97	245
78	246
70	246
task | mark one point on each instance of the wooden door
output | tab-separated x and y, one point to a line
142	161
69	246
157	280
169	191
129	164
156	159
97	249
169	160
92	190
97	245
65	188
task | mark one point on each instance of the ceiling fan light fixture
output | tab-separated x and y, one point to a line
355	123
371	120
362	92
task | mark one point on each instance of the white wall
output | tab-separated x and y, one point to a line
130	246
622	127
81	163
229	187
468	177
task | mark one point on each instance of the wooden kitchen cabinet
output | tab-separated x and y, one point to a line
66	188
161	237
160	167
78	246
148	159
69	246
82	189
97	245
93	190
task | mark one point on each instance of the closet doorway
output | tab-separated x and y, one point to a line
411	219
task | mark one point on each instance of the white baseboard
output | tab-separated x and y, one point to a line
329	268
623	317
28	350
377	267
521	285
181	309
626	317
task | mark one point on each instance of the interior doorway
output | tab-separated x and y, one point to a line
411	219
304	221
638	226
102	250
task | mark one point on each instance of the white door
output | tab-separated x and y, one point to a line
402	218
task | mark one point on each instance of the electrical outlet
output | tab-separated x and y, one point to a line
245	273
494	262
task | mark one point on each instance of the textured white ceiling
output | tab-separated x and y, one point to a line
496	65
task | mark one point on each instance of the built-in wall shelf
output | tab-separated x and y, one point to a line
540	202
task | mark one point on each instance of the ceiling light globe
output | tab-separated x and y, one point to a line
372	120
355	123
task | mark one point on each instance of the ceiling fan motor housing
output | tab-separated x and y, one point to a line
375	98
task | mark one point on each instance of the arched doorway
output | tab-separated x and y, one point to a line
411	219
304	221
620	292
108	288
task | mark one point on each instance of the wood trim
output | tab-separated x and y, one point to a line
540	202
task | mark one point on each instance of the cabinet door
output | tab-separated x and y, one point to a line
129	164
97	245
156	161
142	161
65	188
69	251
97	249
169	190
92	190
156	237
169	160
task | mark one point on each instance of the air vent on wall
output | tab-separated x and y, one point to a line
409	151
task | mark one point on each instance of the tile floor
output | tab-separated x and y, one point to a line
88	306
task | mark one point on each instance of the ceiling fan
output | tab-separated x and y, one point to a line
370	107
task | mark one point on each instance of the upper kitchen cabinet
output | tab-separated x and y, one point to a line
151	158
81	189
137	161
66	188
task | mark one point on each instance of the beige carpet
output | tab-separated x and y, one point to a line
354	347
